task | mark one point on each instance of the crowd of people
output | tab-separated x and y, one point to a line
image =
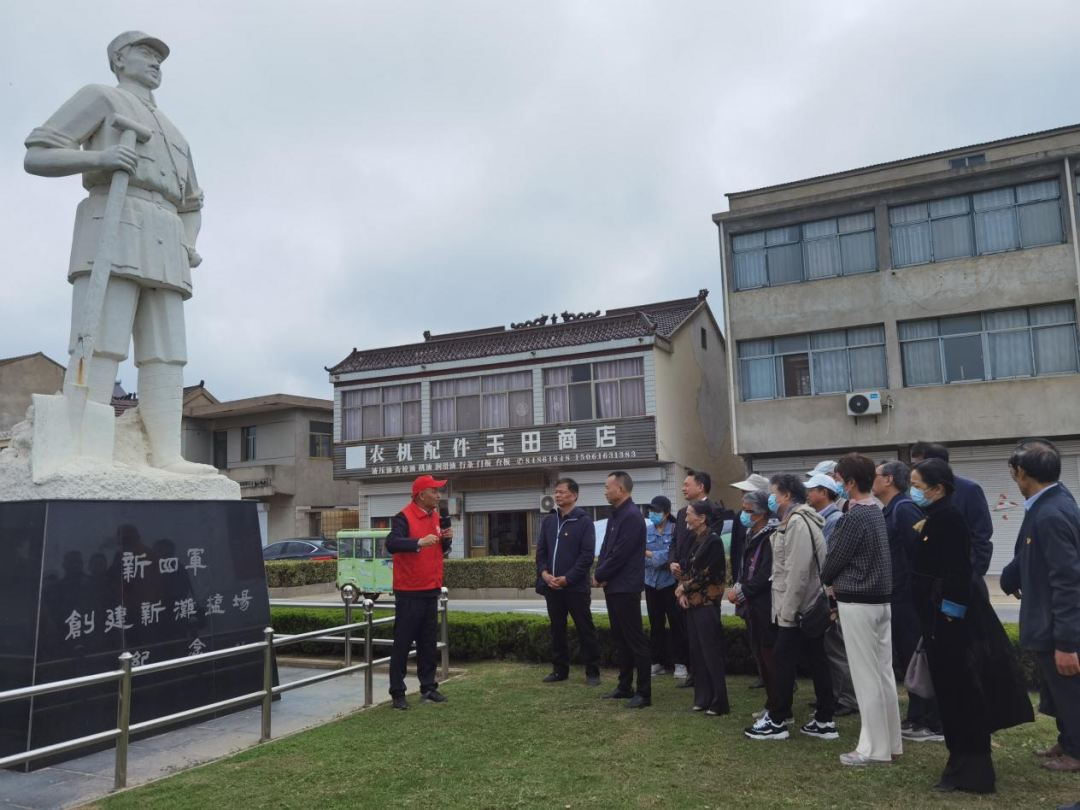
865	573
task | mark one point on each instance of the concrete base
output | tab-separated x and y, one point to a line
127	477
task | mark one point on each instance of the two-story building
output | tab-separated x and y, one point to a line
932	298
504	412
278	448
20	378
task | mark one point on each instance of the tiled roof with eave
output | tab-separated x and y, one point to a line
617	324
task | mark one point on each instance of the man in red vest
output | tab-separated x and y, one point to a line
418	545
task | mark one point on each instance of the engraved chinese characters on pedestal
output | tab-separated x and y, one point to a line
162	580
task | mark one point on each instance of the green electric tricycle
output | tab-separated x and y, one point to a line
364	568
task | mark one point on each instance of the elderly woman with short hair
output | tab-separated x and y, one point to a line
700	591
752	594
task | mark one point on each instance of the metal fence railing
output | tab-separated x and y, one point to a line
125	675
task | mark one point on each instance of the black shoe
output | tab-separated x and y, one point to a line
555	677
592	680
758	684
687	684
845	711
434	696
400	703
617	694
944	787
637	702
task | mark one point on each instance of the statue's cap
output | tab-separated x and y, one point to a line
137	38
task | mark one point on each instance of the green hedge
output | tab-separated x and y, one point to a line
527	638
490	572
478	572
291	573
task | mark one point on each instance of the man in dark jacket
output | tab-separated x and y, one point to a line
923	723
970	499
1046	573
620	571
564	555
418	543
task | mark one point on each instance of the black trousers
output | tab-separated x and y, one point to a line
1060	698
707	653
624	610
791	645
668	646
415	619
574	604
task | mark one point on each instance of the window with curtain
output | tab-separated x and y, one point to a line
482	403
1019	342
833	362
842	246
977	224
380	413
612	389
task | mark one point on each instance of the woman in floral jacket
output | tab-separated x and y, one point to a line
700	593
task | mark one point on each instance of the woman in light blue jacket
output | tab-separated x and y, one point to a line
660	589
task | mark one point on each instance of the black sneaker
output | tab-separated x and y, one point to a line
766	729
400	703
637	702
617	694
555	677
434	696
845	711
823	731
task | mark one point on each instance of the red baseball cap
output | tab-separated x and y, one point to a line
425	482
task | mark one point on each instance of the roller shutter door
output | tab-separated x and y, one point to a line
387	505
800	465
648	483
512	500
990	469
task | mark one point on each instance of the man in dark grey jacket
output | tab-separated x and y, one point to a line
564	556
1046	573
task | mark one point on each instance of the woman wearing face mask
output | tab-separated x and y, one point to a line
660	589
752	594
700	591
976	685
798	548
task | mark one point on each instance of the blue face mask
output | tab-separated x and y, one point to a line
919	497
656	517
774	507
844	493
745	519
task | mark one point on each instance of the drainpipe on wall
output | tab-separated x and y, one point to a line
1072	223
728	344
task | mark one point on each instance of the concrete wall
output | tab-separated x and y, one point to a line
958	412
693	420
19	379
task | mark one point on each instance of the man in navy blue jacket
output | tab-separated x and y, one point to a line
564	555
1046	574
970	499
620	571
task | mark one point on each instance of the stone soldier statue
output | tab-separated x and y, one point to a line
154	251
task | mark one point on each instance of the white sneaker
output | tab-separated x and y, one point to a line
658	669
680	672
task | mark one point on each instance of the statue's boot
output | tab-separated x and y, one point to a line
161	391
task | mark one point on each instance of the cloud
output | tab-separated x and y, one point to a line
373	170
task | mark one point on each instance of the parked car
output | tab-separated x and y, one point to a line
300	548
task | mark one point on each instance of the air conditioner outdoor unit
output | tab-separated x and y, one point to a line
453	506
547	503
864	403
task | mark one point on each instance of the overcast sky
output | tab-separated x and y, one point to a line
375	169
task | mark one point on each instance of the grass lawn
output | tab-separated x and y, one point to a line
505	740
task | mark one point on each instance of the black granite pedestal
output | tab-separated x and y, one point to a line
83	581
